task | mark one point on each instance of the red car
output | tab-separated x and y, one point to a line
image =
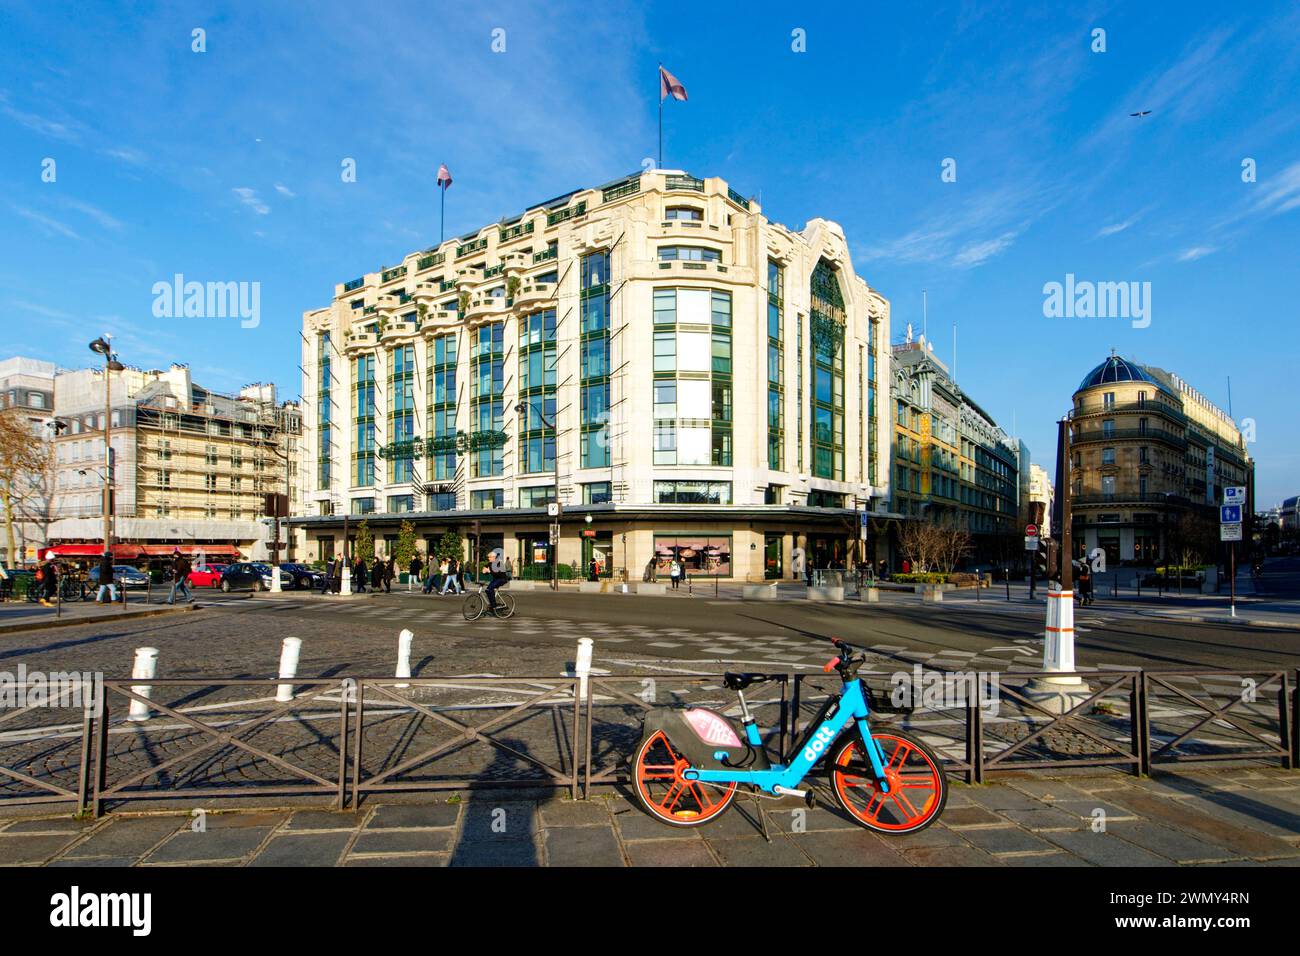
208	576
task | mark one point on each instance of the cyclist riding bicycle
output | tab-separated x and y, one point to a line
500	572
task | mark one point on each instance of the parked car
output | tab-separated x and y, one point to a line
250	575
286	579
123	574
207	576
303	576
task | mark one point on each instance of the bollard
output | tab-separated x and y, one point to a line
289	651
345	581
1008	576
144	667
582	665
404	655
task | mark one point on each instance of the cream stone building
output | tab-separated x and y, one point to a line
707	382
1150	457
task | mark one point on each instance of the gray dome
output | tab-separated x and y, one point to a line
1116	369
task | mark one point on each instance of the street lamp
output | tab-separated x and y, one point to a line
555	544
100	346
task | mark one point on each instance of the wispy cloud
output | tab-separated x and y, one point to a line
285	190
1118	227
1281	194
248	197
1194	253
37	123
50	225
126	154
94	212
978	252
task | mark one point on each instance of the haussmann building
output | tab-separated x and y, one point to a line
694	380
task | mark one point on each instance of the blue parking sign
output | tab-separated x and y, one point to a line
1229	514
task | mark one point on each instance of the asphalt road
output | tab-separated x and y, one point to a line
233	636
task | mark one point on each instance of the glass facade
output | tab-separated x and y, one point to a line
487	380
826	399
363	419
537	392
775	367
594	304
692	389
440	390
401	410
324	411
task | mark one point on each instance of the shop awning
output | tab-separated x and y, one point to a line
131	552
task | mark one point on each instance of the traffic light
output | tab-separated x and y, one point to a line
1046	561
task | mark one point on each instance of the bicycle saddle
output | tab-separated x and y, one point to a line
741	681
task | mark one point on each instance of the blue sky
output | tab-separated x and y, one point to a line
225	166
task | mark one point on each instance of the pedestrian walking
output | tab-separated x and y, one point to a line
47	579
675	573
451	580
416	567
360	575
389	572
107	584
180	574
327	577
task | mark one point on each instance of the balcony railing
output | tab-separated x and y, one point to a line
1133	497
737	198
1126	408
354	284
551	253
1094	435
627	187
567	213
428	262
515	231
395	273
493	271
471	247
672	183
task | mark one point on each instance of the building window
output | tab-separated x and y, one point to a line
698	554
486	499
401	410
689	254
825	499
538	496
1108	456
363	506
363	418
487	380
597	493
399	504
440	390
692	492
684	213
594	305
537	392
442	501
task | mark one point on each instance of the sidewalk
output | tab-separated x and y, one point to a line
1235	817
28	615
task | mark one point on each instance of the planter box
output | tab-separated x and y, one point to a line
933	593
591	587
829	594
523	585
650	587
870	595
759	592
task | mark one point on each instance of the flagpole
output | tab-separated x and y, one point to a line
442	223
660	84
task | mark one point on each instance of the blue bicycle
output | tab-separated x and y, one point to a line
691	761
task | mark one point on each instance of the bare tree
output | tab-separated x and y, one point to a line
934	544
24	475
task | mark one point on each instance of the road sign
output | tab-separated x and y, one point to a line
1234	495
1230	532
1031	531
1230	514
1031	543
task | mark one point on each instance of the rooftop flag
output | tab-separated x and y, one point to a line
669	85
444	176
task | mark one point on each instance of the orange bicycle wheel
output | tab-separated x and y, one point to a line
669	797
918	789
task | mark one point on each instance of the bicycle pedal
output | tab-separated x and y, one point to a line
810	799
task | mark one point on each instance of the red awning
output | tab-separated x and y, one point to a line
128	551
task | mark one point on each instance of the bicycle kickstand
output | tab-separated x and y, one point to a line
762	817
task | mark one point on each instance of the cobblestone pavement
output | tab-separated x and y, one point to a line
1238	817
